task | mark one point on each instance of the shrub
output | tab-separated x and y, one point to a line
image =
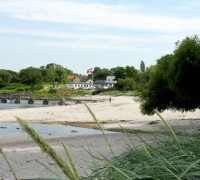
52	91
125	84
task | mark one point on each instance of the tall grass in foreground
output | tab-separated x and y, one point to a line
8	163
166	158
44	146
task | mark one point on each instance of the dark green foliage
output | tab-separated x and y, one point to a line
52	91
119	72
125	84
101	74
31	76
142	66
162	159
174	80
14	87
98	91
5	78
122	73
55	73
185	74
158	94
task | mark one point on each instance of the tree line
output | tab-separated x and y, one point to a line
51	73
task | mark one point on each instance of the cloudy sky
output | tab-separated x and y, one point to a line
80	34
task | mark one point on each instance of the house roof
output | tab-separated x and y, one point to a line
72	76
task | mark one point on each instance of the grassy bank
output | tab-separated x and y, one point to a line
162	159
45	91
114	92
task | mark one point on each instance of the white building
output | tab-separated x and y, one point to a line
89	84
80	85
105	84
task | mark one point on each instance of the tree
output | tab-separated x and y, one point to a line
49	76
5	78
131	72
125	84
185	74
157	94
60	73
173	83
142	66
31	76
119	72
101	74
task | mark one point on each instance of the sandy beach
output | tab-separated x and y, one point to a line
24	155
122	110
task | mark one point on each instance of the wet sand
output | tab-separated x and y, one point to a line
24	155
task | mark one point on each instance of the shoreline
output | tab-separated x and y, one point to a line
122	111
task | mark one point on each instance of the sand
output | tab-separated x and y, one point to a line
24	155
122	110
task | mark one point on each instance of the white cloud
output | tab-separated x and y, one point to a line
117	16
97	37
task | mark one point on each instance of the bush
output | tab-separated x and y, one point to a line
125	84
98	91
52	91
38	87
16	87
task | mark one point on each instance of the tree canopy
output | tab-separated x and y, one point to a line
31	76
5	78
173	81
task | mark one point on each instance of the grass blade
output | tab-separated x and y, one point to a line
71	160
44	146
9	165
190	167
100	127
170	129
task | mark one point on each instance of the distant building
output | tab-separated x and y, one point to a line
105	84
80	85
89	84
73	78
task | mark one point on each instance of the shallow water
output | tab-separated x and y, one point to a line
24	104
10	129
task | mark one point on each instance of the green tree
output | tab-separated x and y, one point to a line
101	74
142	66
49	76
157	94
31	76
60	73
125	84
173	83
131	72
185	74
119	72
5	78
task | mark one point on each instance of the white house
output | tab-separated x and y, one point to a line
105	84
80	85
89	84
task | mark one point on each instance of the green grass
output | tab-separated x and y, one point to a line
116	93
44	91
163	160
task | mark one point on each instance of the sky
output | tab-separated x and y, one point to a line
80	34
